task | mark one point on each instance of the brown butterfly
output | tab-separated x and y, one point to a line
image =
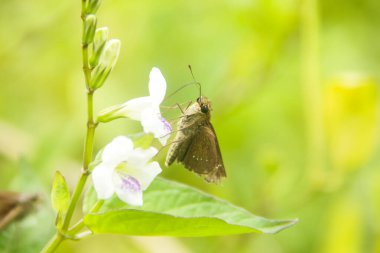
196	145
14	206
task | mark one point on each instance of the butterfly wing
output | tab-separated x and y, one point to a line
187	127
10	208
10	216
177	150
203	154
14	206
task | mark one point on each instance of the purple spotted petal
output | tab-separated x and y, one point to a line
165	131
167	126
129	183
128	189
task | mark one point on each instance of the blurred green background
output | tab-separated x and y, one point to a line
294	86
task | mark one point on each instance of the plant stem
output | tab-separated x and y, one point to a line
74	201
53	244
88	147
86	69
87	157
87	153
80	224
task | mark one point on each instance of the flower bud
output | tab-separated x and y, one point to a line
99	77
111	113
89	27
110	53
100	39
107	61
93	6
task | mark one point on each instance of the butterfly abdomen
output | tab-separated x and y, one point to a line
172	155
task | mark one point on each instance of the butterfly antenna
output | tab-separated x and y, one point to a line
185	85
195	81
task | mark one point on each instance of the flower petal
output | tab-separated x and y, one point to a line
166	130
157	86
117	151
128	189
102	179
139	157
152	122
145	174
133	108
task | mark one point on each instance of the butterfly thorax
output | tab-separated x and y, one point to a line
195	115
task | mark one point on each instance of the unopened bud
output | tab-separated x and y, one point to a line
100	39
93	6
89	27
110	53
107	61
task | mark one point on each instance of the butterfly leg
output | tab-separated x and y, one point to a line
179	106
188	105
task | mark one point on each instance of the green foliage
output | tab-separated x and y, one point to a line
60	194
174	209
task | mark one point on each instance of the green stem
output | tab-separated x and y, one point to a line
83	10
87	157
53	243
86	68
88	149
74	201
89	142
80	224
87	154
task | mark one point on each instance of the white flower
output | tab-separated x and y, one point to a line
125	171
145	109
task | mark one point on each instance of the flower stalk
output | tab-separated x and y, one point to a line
88	149
123	170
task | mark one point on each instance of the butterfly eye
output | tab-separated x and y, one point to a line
204	108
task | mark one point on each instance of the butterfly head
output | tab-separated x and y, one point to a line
204	104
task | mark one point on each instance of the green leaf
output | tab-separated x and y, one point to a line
60	195
174	209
